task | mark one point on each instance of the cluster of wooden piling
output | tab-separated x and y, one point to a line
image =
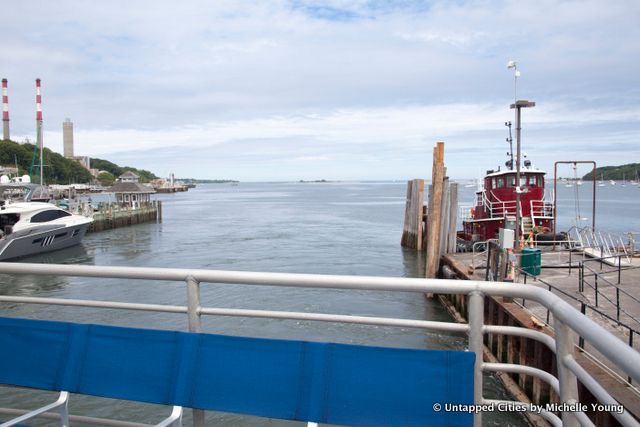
114	215
434	228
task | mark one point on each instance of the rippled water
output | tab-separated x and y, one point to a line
331	228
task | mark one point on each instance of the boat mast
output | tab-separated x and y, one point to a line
519	105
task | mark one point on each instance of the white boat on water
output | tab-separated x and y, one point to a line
30	227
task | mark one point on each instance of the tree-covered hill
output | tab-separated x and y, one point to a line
57	169
629	172
116	171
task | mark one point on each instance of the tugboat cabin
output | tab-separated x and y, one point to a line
495	202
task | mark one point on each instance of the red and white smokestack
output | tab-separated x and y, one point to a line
5	110
38	101
39	126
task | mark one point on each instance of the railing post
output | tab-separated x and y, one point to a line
195	325
619	267
630	345
595	278
618	305
476	344
64	411
567	379
583	310
581	277
486	271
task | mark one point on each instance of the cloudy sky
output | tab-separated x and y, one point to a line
288	90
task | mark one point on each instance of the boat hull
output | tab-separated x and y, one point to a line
41	241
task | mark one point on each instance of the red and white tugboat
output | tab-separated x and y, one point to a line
495	205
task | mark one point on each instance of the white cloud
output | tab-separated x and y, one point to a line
363	80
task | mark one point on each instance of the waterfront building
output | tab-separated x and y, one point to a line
130	192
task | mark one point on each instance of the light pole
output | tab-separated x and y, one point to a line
519	105
516	74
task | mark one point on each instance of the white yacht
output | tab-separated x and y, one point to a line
30	227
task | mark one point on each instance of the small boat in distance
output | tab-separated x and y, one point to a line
29	227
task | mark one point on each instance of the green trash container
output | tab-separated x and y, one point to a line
531	260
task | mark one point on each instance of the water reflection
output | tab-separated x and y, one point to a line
77	254
414	262
29	285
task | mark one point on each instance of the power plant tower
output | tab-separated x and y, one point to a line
39	125
67	138
5	111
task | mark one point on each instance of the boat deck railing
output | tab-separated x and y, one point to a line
541	209
567	322
499	209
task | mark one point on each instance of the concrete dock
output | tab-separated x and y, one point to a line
608	294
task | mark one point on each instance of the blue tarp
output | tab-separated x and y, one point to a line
294	380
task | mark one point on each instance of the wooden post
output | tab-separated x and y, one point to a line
412	231
453	218
435	204
444	216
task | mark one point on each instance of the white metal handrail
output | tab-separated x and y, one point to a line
61	405
498	208
602	244
567	321
541	209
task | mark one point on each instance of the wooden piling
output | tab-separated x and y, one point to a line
434	216
413	223
444	216
453	218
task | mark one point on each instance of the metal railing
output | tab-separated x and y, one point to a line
499	209
541	209
602	245
567	322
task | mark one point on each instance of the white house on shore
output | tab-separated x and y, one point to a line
129	191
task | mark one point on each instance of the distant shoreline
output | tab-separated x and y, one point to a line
207	181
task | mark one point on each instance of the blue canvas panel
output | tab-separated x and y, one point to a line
294	380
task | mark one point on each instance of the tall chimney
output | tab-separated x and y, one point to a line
67	138
39	125
5	111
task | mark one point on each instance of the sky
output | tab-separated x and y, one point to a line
338	90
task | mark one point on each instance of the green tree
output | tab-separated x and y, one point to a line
106	179
630	171
57	169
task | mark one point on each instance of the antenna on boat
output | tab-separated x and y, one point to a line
516	74
510	141
518	106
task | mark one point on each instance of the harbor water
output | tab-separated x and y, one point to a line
325	228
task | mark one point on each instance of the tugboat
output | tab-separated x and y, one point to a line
495	206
